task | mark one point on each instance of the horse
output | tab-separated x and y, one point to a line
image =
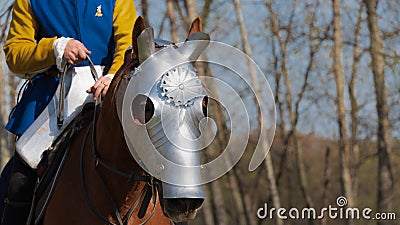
101	182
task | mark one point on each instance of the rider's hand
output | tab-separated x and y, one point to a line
75	52
99	87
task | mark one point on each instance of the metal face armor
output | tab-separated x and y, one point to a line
164	115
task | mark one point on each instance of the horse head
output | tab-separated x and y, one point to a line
161	112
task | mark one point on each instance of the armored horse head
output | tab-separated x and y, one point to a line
162	112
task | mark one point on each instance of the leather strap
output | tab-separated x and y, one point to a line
61	100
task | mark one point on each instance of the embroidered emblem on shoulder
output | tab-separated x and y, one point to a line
99	13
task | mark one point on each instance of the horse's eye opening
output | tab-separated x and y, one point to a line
142	109
204	104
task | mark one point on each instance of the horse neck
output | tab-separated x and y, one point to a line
110	142
110	136
112	149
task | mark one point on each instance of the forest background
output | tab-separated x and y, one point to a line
333	67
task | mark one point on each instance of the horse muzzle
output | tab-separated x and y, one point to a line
181	209
181	203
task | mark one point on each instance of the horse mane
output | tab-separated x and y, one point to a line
131	61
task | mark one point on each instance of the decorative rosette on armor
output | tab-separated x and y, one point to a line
181	85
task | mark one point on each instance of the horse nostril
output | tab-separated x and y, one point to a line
185	204
181	209
197	203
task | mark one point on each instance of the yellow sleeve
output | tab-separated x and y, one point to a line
124	18
22	51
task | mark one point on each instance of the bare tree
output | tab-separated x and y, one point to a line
4	20
354	112
327	182
207	210
292	111
217	200
206	11
145	11
172	21
190	7
3	134
385	175
255	82
5	137
344	150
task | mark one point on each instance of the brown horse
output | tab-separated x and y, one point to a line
93	187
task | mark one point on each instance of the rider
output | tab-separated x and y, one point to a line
44	35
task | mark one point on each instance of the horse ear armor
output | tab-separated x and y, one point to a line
195	45
145	43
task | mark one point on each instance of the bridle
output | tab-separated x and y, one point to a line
148	192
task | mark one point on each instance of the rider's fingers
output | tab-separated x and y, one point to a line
75	52
82	50
99	87
105	89
81	55
87	52
98	91
89	90
70	57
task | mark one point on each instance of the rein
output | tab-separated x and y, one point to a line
147	192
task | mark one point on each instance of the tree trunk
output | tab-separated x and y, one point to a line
218	201
3	116
172	21
281	123
271	176
327	183
344	150
6	139
207	209
145	11
268	161
293	116
190	7
239	199
5	18
206	11
12	85
354	147
385	176
214	111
